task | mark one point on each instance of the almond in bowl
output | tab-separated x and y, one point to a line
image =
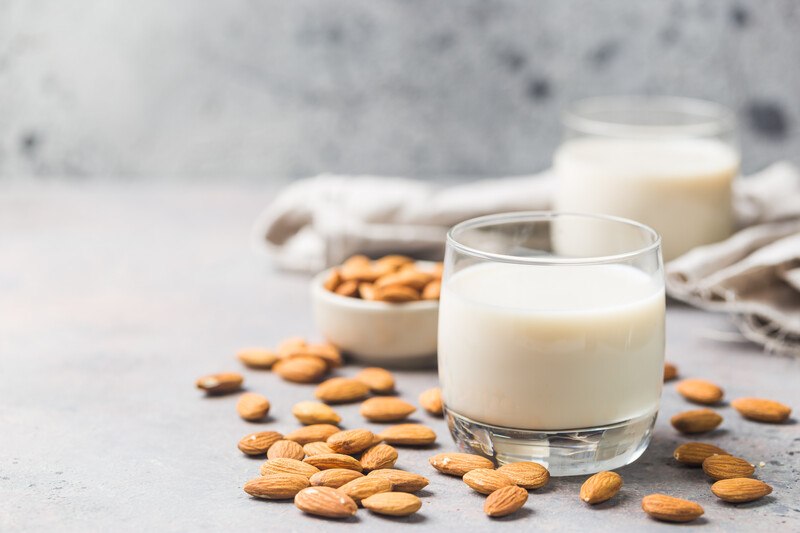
390	318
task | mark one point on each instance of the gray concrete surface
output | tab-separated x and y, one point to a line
204	89
113	300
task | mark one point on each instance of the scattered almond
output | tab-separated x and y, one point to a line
696	421
290	345
276	486
694	453
505	501
526	474
379	380
601	487
401	480
364	487
386	409
667	508
334	477
341	390
740	490
670	371
700	391
258	443
327	461
288	449
378	456
392	503
458	464
762	410
727	467
223	383
257	357
431	401
325	501
301	369
486	480
288	466
252	406
315	413
325	351
408	435
351	441
316	448
312	433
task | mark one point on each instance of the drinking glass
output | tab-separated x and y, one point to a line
551	338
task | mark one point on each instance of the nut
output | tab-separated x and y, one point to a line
341	390
315	413
700	391
667	508
351	441
325	351
327	461
458	464
408	435
740	490
379	380
325	501
287	449
257	357
316	448
694	453
283	465
670	371
312	433
364	487
392	503
223	383
333	280
505	501
252	406
386	409
727	467
347	288
401	480
431	401
486	480
258	443
432	290
301	368
290	345
378	456
276	486
696	421
527	475
335	477
762	410
601	487
396	294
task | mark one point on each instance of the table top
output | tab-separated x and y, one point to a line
115	299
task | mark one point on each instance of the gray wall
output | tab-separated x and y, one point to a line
206	89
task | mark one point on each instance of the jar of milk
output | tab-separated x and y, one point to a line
663	161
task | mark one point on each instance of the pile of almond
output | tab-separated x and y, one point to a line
331	472
393	278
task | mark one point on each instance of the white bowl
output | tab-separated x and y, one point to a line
387	334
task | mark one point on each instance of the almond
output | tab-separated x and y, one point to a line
276	486
486	480
697	421
740	490
351	441
335	477
312	433
694	453
392	262
325	351
762	410
386	409
290	345
325	501
432	290
431	401
341	390
252	406
288	466
396	294
601	487
392	503
301	368
332	280
288	449
458	464
327	461
667	508
505	501
347	288
315	413
670	371
359	273
413	279
364	487
527	475
257	357
378	456
408	435
401	480
727	467
366	291
379	380
316	448
223	383
259	443
700	391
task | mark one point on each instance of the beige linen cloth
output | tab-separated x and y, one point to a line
754	275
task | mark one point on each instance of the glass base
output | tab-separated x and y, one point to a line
564	453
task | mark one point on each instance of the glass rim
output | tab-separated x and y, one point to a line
539	216
713	119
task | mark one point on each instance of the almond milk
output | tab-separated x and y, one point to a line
681	188
551	347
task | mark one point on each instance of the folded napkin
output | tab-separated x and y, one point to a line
320	221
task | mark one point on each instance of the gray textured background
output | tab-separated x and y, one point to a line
245	90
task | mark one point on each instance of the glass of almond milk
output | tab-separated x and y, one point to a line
551	342
664	161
